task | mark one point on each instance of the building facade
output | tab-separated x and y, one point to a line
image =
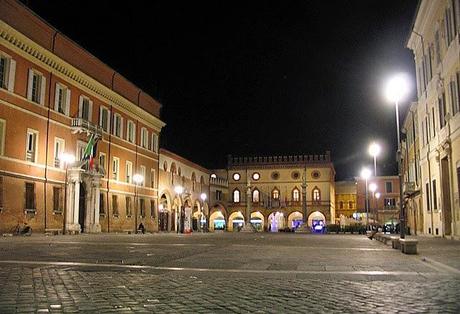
434	40
345	199
384	203
183	194
58	100
272	189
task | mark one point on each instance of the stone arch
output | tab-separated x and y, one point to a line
165	213
258	220
294	218
316	215
235	220
173	168
165	166
217	220
193	178
276	220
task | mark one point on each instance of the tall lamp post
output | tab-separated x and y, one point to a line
377	196
374	151
203	197
138	179
396	89
179	190
366	174
373	188
66	159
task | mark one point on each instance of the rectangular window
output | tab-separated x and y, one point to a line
442	110
86	107
129	172
154	143
7	72
144	138
434	122
31	145
104	118
2	136
115	168
389	187
143	173
115	205
454	95
30	197
218	195
153	209
117	125
131	132
129	206
435	197
437	47
141	207
36	87
58	199
102	164
152	178
389	203
62	99
427	190
101	204
59	146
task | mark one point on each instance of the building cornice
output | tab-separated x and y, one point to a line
30	50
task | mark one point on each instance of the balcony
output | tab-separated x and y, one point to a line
81	125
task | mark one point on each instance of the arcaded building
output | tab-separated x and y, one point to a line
273	187
58	103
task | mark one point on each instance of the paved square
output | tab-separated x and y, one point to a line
226	273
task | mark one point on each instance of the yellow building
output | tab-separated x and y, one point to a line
434	40
272	187
345	199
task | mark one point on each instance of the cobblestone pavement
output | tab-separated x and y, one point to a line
224	273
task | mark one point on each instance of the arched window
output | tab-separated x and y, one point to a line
173	172
276	194
255	196
165	166
316	195
236	196
296	195
341	205
350	205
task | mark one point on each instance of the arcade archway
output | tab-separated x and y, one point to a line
295	219
235	221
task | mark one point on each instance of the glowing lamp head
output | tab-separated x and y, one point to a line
374	149
377	195
366	173
67	158
397	88
372	187
138	178
203	196
160	207
178	189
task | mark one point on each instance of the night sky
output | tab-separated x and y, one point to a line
256	78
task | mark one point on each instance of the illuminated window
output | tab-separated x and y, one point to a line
236	196
236	176
316	195
255	196
296	195
276	194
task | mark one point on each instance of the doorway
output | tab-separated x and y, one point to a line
447	210
82	207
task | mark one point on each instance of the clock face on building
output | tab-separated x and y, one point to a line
255	176
236	176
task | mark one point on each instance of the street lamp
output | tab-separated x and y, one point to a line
366	174
138	179
396	90
203	197
373	188
377	196
67	159
374	151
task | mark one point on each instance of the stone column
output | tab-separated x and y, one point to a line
304	228
93	204
248	227
73	201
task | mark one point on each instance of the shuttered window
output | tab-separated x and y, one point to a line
36	87
58	201
30	197
1	194
7	72
115	205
